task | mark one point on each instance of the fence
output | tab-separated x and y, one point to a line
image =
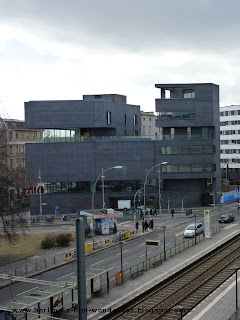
35	264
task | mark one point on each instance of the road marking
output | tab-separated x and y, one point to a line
142	255
96	263
26	291
65	276
124	222
168	243
122	252
141	244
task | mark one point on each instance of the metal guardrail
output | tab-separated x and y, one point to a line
155	261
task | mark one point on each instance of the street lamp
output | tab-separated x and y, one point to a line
236	270
40	192
121	244
159	188
144	186
93	192
164	242
103	201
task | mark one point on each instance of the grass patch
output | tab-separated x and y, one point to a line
26	246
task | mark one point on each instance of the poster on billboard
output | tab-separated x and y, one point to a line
207	224
105	227
57	302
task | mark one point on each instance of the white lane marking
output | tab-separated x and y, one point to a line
124	222
141	244
168	243
26	291
96	263
122	252
142	255
65	276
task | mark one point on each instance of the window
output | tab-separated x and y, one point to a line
188	94
144	130
125	118
136	132
150	130
11	163
17	149
135	120
109	120
150	119
16	135
23	163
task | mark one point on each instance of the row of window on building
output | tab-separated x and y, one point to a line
229	113
24	135
17	148
17	163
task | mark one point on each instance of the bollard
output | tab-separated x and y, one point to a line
45	263
54	259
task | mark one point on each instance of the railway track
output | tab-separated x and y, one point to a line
177	295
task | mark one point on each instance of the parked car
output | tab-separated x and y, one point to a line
226	217
190	232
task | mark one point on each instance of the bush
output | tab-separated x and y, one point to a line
64	239
48	242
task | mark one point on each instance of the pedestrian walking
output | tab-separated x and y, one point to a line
151	224
154	211
136	227
146	225
143	225
172	212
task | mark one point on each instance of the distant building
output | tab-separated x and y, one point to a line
16	139
230	142
83	137
148	124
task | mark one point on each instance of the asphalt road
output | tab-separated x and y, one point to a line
133	251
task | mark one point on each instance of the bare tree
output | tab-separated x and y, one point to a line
12	217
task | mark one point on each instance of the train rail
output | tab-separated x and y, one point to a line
177	295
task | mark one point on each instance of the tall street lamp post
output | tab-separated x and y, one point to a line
145	181
40	192
93	193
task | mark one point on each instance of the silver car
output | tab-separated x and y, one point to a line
190	232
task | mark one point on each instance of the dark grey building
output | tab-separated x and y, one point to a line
84	137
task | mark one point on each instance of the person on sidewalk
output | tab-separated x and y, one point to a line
146	225
136	225
143	225
151	224
172	212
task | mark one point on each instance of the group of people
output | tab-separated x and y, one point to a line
145	225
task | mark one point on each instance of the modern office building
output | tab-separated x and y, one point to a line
82	138
230	142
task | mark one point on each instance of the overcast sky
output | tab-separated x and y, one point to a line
63	49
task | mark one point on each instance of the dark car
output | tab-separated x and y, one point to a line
226	217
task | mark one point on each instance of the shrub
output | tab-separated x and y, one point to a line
48	242
64	239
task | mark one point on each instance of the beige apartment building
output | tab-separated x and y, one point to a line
16	138
148	124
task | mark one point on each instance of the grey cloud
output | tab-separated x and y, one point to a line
130	25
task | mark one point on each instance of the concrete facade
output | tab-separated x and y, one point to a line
118	143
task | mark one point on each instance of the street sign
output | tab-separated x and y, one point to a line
153	243
44	203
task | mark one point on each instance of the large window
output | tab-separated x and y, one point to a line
188	94
135	120
177	115
109	120
187	150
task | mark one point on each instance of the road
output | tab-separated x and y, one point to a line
133	251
